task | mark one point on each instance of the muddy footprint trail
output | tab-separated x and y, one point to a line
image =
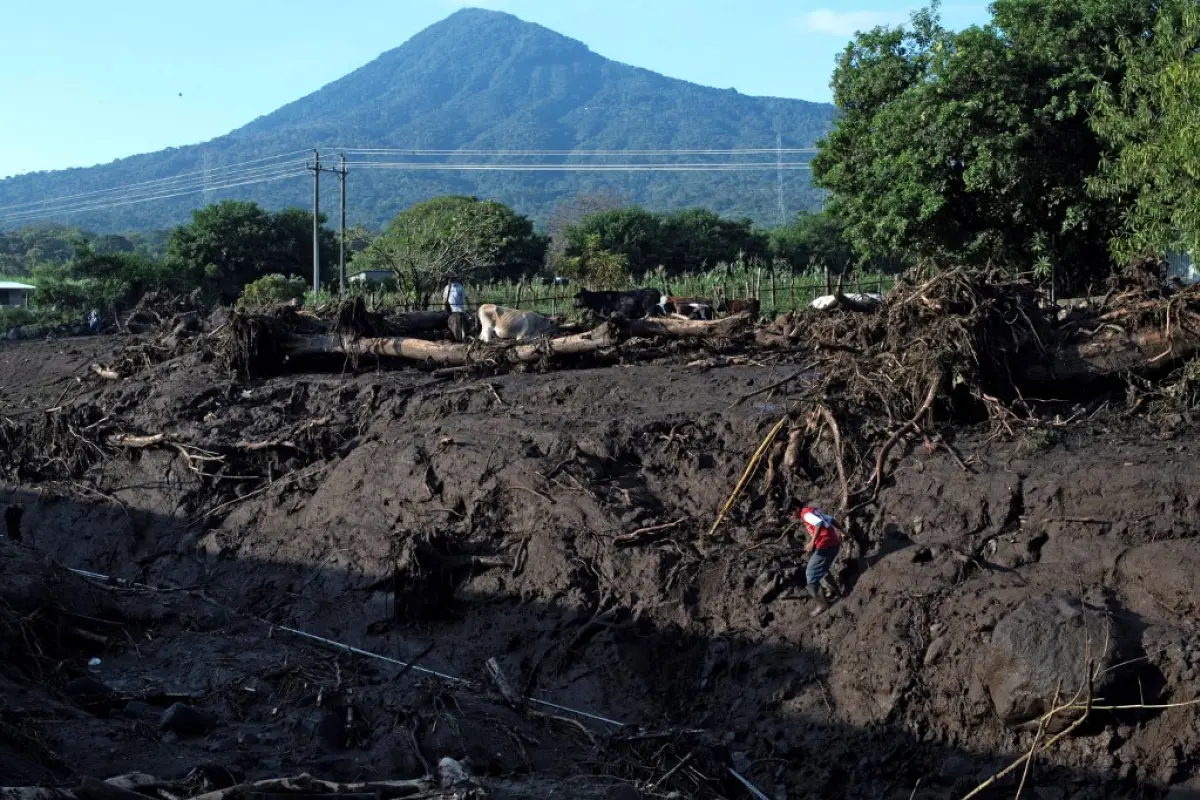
522	562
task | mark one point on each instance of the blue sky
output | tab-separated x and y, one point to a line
87	82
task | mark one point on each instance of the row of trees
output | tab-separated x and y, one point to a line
231	245
1062	133
604	246
225	247
22	250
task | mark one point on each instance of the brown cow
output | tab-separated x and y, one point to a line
750	305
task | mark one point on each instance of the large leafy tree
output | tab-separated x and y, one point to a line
232	243
811	240
695	238
596	268
454	237
570	212
1151	119
683	241
631	232
975	146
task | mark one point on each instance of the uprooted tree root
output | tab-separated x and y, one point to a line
946	345
964	347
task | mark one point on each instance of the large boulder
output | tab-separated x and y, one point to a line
1042	646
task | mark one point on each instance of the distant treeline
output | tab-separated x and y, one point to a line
230	245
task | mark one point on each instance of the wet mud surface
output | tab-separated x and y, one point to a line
558	523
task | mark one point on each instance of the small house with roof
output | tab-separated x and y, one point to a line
13	294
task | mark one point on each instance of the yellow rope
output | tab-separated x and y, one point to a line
749	473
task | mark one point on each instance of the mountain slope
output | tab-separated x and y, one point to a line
476	80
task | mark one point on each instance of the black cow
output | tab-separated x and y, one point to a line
634	304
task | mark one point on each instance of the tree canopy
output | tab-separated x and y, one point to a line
454	237
689	240
810	240
232	243
976	146
1151	120
22	250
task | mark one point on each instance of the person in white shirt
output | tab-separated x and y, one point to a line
455	297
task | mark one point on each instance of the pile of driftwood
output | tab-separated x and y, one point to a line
257	344
1003	335
965	346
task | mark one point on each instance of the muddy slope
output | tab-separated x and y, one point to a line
457	522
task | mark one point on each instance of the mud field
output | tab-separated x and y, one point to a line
557	521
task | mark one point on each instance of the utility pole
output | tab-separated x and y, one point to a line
342	259
316	171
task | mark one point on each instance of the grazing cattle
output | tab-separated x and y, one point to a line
500	322
749	306
688	307
855	301
634	304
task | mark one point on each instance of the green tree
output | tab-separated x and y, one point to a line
111	281
272	290
453	237
695	238
570	212
596	268
688	240
632	232
975	147
812	239
1149	118
232	243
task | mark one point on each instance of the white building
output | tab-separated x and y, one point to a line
372	277
13	294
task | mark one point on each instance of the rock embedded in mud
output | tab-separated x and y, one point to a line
937	649
183	720
1042	646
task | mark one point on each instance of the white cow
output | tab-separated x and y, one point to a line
500	322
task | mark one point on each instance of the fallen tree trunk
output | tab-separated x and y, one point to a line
453	354
448	354
1109	357
670	326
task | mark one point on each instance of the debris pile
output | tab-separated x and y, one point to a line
392	579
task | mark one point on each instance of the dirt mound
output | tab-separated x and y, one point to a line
527	557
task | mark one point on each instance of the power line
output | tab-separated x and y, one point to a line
418	166
242	174
209	172
627	152
123	194
234	179
52	212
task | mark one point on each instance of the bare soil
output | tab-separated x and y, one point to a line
450	522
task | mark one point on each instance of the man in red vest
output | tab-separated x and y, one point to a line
824	543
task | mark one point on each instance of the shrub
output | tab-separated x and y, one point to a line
272	290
